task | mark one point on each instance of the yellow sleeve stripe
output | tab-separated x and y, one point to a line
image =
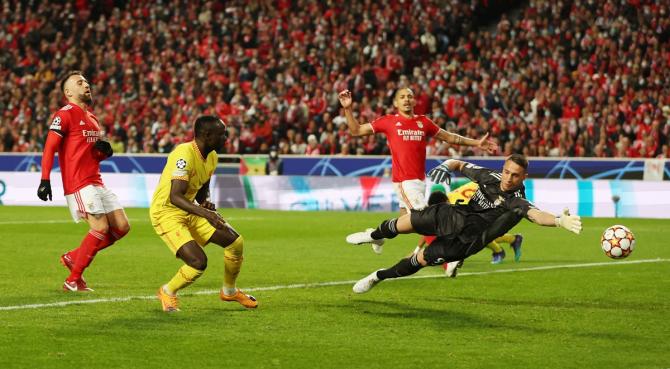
181	178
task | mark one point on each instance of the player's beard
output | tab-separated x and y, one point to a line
86	98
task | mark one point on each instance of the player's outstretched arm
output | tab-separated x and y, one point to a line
484	143
177	198
355	128
454	164
443	172
572	223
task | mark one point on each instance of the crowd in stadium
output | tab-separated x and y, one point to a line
557	78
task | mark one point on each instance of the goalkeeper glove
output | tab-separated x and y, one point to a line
440	174
572	223
44	190
102	150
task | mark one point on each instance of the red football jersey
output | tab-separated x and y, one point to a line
407	138
80	130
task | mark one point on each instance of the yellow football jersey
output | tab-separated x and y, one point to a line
463	193
186	163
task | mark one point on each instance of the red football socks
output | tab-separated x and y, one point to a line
113	235
85	253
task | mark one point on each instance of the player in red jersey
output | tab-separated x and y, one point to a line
76	135
407	135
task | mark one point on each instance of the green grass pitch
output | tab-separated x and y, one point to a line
598	313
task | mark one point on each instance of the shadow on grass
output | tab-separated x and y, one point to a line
446	318
616	306
453	319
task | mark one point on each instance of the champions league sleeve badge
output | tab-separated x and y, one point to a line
180	171
55	124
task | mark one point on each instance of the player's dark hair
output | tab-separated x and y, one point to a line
397	90
204	124
67	76
437	197
519	160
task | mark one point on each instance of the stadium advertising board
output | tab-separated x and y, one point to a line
374	166
636	199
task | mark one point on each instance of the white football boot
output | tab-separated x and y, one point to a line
366	284
452	268
360	238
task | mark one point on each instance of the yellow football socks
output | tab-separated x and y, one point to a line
494	246
184	277
232	255
506	238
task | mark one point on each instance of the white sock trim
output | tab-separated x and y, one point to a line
229	291
166	289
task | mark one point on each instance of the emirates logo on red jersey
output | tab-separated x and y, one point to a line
91	136
411	134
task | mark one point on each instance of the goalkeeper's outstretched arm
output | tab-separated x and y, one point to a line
454	164
572	223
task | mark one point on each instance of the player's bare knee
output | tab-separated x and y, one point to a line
193	255
224	237
404	224
123	228
100	228
199	263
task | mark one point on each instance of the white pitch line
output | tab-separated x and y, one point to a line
333	283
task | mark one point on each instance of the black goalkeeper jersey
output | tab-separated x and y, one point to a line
468	223
490	202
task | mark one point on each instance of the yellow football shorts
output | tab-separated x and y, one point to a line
177	230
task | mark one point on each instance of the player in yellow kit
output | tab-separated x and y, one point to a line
186	227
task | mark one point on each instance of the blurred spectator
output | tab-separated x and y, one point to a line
313	147
274	166
117	144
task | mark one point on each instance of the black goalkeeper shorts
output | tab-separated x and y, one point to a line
442	220
444	250
471	238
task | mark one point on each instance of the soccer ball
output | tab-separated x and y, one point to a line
617	241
